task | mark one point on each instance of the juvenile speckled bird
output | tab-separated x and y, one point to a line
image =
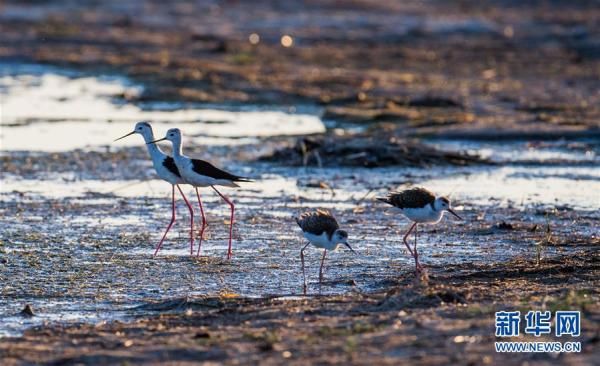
322	230
420	206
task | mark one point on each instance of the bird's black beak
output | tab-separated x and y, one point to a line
454	213
122	137
155	141
349	247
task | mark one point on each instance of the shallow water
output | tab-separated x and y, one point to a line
523	186
36	98
584	152
79	247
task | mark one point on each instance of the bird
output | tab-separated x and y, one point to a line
167	170
200	173
307	146
420	206
322	230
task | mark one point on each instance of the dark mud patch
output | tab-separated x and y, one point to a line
104	162
85	164
420	112
27	311
367	151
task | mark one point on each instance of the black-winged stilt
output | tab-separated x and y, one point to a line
200	173
321	229
167	170
420	206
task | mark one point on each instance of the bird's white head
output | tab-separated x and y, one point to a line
173	135
443	204
143	128
341	237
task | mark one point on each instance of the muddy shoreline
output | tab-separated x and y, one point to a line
444	320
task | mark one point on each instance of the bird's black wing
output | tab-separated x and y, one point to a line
317	222
205	168
410	198
169	163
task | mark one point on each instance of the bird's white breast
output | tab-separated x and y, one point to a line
165	173
423	214
320	241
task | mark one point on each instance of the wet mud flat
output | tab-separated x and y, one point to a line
428	68
447	319
79	252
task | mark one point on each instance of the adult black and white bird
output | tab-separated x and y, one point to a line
167	170
322	230
420	206
200	173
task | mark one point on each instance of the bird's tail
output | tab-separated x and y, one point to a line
384	199
243	179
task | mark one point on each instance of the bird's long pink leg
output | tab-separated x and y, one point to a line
406	236
416	254
408	245
230	220
321	269
203	221
302	260
191	220
170	223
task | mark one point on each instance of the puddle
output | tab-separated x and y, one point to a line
43	109
522	186
48	311
559	151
